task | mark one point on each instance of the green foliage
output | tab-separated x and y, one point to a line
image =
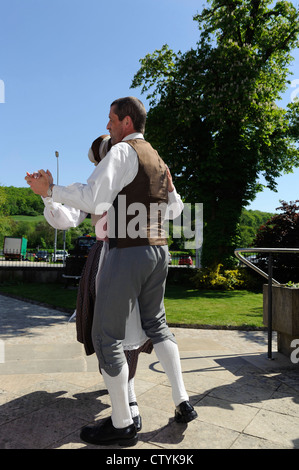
213	116
250	222
41	234
292	285
21	215
218	278
2	201
281	231
21	201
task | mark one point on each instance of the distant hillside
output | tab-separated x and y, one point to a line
250	222
21	201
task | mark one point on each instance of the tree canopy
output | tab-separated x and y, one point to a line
213	115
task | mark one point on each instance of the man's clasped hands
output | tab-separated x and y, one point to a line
40	181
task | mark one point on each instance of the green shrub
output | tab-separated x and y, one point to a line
218	278
252	280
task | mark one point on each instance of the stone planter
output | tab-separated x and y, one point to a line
285	315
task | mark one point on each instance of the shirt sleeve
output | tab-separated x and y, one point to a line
62	217
111	175
175	205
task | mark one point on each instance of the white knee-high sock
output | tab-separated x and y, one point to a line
132	398
131	390
118	391
168	355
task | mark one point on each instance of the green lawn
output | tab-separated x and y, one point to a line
183	306
28	218
208	307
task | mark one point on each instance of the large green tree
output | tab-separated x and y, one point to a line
213	116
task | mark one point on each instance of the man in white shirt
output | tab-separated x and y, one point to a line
136	267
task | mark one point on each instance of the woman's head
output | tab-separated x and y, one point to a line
99	148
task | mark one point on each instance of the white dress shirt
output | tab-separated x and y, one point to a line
110	176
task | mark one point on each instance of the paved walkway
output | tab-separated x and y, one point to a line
49	389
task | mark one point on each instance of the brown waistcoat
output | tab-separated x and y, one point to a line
138	221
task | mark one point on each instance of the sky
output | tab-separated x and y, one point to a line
62	63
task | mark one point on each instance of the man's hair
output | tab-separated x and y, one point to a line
133	107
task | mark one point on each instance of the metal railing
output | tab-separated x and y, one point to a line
36	258
31	260
269	276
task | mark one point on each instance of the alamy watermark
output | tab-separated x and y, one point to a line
295	353
2	352
136	220
2	92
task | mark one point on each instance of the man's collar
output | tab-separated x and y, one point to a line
135	135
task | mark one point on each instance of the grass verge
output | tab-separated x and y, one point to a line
239	308
185	307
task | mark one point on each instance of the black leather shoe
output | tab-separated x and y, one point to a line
184	412
106	434
138	423
137	419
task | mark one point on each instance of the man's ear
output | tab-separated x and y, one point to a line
129	123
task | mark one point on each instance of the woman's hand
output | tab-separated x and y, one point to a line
169	178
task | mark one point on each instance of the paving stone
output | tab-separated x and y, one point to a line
244	441
49	388
282	429
223	413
